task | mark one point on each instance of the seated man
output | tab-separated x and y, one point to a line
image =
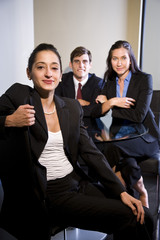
91	85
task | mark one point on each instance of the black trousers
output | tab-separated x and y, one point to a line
126	155
77	203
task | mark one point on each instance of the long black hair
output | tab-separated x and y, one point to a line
110	73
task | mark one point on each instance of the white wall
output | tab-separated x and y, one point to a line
151	56
16	41
94	24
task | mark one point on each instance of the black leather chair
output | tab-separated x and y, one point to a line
151	170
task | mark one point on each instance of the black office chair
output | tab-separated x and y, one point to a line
151	170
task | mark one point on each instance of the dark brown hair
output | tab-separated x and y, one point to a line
39	48
110	73
79	51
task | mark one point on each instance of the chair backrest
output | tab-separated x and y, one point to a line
155	106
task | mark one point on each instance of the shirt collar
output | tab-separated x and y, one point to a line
128	78
83	82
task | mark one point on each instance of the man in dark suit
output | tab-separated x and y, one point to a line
91	85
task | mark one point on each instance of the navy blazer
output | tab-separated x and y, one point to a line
90	91
21	173
140	88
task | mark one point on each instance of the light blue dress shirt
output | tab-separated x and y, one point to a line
124	130
126	84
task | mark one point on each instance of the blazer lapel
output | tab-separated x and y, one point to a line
36	102
63	115
130	91
68	85
62	111
70	88
86	89
111	92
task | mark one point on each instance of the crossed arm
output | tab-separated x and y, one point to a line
124	102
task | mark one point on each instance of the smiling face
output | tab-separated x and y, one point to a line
80	66
120	62
46	72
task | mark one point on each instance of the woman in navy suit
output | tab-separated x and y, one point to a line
128	92
41	136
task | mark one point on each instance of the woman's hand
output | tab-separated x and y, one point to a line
101	99
135	205
123	102
22	117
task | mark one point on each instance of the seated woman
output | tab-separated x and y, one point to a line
128	92
41	136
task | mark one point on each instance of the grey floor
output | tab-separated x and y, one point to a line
71	233
78	234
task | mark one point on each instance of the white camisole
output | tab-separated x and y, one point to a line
53	157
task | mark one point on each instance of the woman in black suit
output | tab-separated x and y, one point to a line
128	92
41	136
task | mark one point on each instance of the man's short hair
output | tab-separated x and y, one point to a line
79	51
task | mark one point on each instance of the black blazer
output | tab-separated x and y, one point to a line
140	88
21	174
90	91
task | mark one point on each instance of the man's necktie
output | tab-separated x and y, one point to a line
79	92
